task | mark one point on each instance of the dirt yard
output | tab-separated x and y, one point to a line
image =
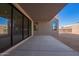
72	40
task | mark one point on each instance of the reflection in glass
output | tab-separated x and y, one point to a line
3	25
30	29
26	27
14	26
17	26
5	29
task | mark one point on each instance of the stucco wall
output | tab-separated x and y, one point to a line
75	29
44	28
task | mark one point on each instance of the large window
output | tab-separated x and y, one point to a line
17	26
30	29
26	27
14	26
5	26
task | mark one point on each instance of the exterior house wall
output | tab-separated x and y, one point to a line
75	29
45	28
66	29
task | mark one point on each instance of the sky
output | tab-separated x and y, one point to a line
69	14
3	21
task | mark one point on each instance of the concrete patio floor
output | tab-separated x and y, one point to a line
43	46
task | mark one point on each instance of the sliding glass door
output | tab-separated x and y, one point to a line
17	26
14	26
26	26
30	27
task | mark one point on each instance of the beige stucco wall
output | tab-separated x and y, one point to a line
75	29
44	28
